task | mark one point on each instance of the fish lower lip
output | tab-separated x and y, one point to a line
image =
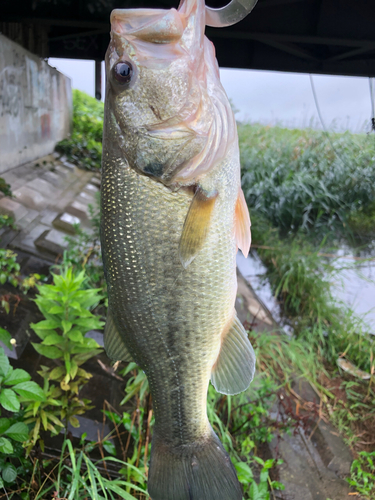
168	133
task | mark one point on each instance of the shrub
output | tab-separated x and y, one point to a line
84	147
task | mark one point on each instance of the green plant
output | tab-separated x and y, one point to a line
362	474
16	388
137	426
6	221
85	144
83	252
66	307
261	490
301	279
136	385
9	267
75	476
296	180
5	187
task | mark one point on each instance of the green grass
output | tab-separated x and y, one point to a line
304	179
308	192
305	191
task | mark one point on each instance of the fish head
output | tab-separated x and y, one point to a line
165	106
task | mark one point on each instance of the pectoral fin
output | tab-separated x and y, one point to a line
196	225
242	224
113	343
235	366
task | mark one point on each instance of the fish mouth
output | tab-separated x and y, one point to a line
150	25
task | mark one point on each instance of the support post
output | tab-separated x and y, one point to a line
98	80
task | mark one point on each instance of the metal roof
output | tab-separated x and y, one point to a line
307	36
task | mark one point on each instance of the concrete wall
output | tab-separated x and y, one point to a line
35	106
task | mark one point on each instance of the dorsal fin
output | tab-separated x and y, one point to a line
196	225
242	224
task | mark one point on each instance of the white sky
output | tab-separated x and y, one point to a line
272	97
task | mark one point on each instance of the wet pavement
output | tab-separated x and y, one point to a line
50	195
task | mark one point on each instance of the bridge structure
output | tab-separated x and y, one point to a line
335	37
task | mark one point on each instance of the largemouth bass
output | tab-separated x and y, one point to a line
173	216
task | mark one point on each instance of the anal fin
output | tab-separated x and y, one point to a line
113	343
235	366
242	224
196	225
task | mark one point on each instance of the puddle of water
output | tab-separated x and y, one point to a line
253	270
355	286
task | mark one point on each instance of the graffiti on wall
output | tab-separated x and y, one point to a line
34	105
10	92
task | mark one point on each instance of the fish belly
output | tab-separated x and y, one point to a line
171	319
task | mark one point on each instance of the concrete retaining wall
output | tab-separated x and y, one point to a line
35	106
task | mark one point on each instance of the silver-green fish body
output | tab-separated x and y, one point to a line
173	215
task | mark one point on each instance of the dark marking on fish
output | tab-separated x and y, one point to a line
190	492
156	112
154	169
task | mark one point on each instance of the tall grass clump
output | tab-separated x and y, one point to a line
306	179
84	146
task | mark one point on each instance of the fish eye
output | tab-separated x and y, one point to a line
123	72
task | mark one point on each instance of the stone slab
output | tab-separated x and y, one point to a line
30	198
57	237
25	240
7	236
303	473
50	242
86	198
10	207
68	164
91	188
48	216
78	209
89	427
66	222
96	181
43	187
250	309
28	219
55	178
333	452
97	336
62	170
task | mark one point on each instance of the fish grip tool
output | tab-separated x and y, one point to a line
230	14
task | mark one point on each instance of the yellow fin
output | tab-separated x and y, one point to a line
235	366
242	224
113	342
196	226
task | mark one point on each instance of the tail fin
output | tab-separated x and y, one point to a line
198	471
